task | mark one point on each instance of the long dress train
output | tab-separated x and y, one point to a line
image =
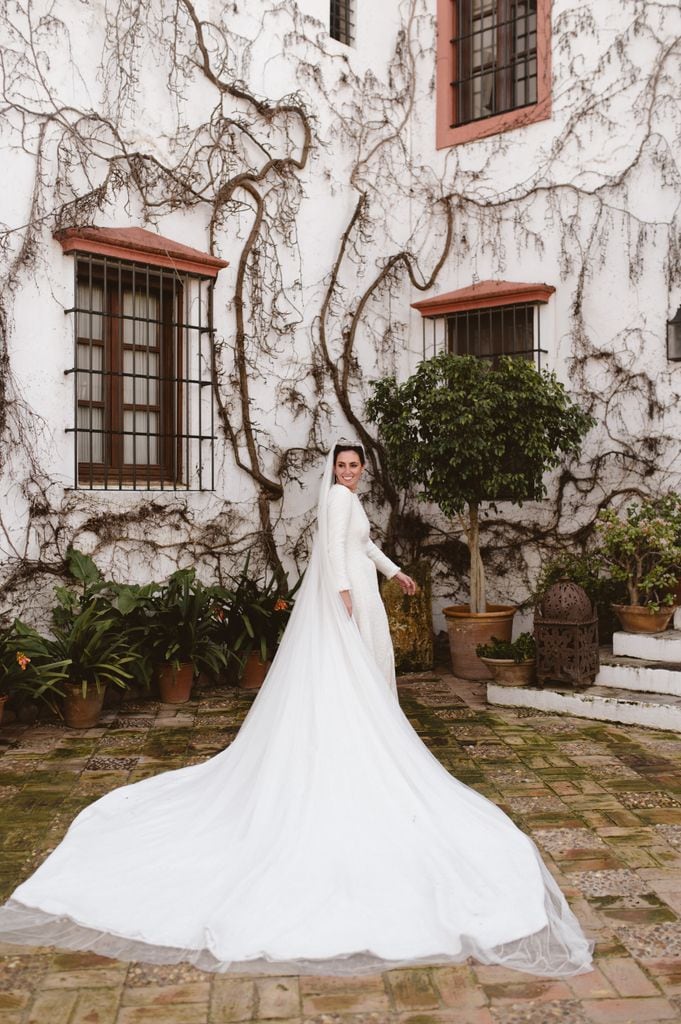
326	838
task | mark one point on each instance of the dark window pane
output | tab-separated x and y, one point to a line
495	57
488	333
143	377
341	22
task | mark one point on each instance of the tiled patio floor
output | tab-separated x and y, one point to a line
602	801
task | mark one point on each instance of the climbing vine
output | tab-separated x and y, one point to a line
319	183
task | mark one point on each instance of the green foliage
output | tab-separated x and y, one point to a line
466	431
180	625
588	571
463	431
27	666
88	639
523	648
252	614
640	547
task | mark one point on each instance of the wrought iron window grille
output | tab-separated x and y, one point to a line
487	333
495	57
341	21
143	368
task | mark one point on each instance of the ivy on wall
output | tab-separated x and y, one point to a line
306	345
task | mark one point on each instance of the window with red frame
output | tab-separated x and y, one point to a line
493	67
495	57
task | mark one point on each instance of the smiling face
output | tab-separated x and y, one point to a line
348	469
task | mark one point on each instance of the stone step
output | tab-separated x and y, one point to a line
600	703
649	646
639	674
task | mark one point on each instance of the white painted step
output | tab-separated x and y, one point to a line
599	703
649	646
639	675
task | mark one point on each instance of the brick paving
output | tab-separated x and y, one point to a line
602	801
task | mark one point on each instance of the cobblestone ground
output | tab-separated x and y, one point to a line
602	801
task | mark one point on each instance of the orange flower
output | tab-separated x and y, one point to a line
23	660
281	605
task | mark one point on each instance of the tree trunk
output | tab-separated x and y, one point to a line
478	602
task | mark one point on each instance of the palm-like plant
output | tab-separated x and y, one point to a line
88	639
180	623
252	613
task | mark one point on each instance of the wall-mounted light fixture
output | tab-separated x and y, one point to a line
674	337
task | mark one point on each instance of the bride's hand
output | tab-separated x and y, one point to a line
409	586
347	601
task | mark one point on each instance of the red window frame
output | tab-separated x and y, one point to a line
448	133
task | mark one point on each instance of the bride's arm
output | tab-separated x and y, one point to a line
389	569
381	561
339	512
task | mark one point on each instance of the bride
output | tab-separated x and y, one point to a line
326	838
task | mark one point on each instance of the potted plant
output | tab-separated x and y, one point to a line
511	663
468	433
586	569
641	548
253	622
26	669
181	633
89	641
127	605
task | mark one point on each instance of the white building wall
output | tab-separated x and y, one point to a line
112	94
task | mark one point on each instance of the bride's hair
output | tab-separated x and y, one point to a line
356	448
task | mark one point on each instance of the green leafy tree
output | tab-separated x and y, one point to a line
466	432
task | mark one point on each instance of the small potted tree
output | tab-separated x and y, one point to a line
640	548
466	434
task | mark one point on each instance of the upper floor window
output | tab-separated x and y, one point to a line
487	319
143	361
341	21
493	67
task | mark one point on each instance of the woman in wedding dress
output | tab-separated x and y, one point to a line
326	838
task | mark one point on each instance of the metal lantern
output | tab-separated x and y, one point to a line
566	633
674	337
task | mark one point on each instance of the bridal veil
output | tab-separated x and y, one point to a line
325	839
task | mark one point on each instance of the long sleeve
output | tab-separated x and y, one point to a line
381	561
339	513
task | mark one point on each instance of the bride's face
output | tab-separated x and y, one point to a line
348	469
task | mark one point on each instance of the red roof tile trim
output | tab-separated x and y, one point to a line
138	244
484	295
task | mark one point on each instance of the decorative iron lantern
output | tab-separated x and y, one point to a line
566	634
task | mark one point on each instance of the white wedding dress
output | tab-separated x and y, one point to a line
325	839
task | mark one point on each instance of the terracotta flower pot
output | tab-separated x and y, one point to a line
507	672
467	629
175	682
82	712
640	619
254	672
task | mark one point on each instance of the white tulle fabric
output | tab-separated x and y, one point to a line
325	839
